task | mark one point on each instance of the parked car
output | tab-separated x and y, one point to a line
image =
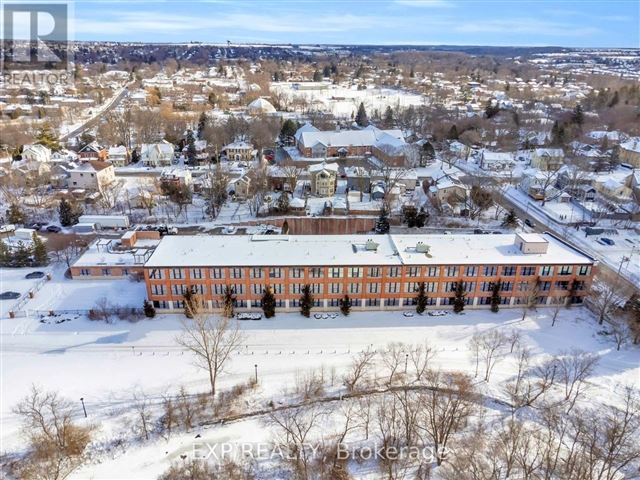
34	275
607	241
437	313
408	314
9	295
529	223
53	229
249	316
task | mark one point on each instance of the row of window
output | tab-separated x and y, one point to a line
372	288
372	272
105	272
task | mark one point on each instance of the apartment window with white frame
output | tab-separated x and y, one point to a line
275	272
584	270
393	272
490	271
216	273
393	287
546	271
335	272
565	270
236	273
315	272
155	274
433	271
157	289
355	272
196	273
373	288
296	272
413	271
256	272
176	273
451	271
354	288
336	288
374	272
470	271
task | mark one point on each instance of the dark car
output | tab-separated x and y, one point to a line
529	223
608	241
37	225
34	275
9	295
53	229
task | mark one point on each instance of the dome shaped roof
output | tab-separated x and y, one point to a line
259	106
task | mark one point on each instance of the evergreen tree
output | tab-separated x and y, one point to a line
288	130
345	305
40	256
459	299
495	296
228	300
283	202
68	213
191	147
15	214
135	156
317	76
285	227
382	224
453	133
326	71
48	138
578	115
21	255
510	219
5	257
306	301
614	101
421	298
361	117
491	110
149	309
268	303
388	120
202	123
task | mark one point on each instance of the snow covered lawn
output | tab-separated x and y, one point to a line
105	364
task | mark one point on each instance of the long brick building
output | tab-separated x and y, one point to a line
377	272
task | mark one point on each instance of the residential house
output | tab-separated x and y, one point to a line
201	151
240	187
630	152
239	150
93	151
92	175
176	176
118	155
358	178
157	154
536	184
547	158
324	178
496	161
36	153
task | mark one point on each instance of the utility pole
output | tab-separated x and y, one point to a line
256	369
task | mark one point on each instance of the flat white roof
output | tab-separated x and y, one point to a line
329	250
532	237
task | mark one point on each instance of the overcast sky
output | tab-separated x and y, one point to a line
456	22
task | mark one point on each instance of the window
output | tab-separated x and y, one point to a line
393	272
506	286
470	271
509	270
546	271
296	273
277	289
490	271
355	272
256	273
196	273
451	271
469	286
236	273
163	304
336	272
527	271
411	287
413	271
374	272
392	302
431	287
523	286
157	289
545	286
373	288
433	271
218	289
176	273
393	287
155	274
106	272
197	289
564	285
584	270
316	288
216	273
487	286
315	272
450	286
295	288
275	273
85	272
336	288
256	289
373	302
565	270
354	288
178	289
238	289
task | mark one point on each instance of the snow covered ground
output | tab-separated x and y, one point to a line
106	363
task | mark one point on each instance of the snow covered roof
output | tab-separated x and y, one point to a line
92	166
318	167
633	145
261	105
321	250
353	138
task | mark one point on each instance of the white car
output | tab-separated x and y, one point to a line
408	314
437	313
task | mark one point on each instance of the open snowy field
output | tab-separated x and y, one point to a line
107	363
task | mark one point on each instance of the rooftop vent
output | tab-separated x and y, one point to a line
422	247
371	245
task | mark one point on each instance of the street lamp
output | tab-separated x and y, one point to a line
83	407
406	362
256	370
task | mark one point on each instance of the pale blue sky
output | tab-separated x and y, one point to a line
456	22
